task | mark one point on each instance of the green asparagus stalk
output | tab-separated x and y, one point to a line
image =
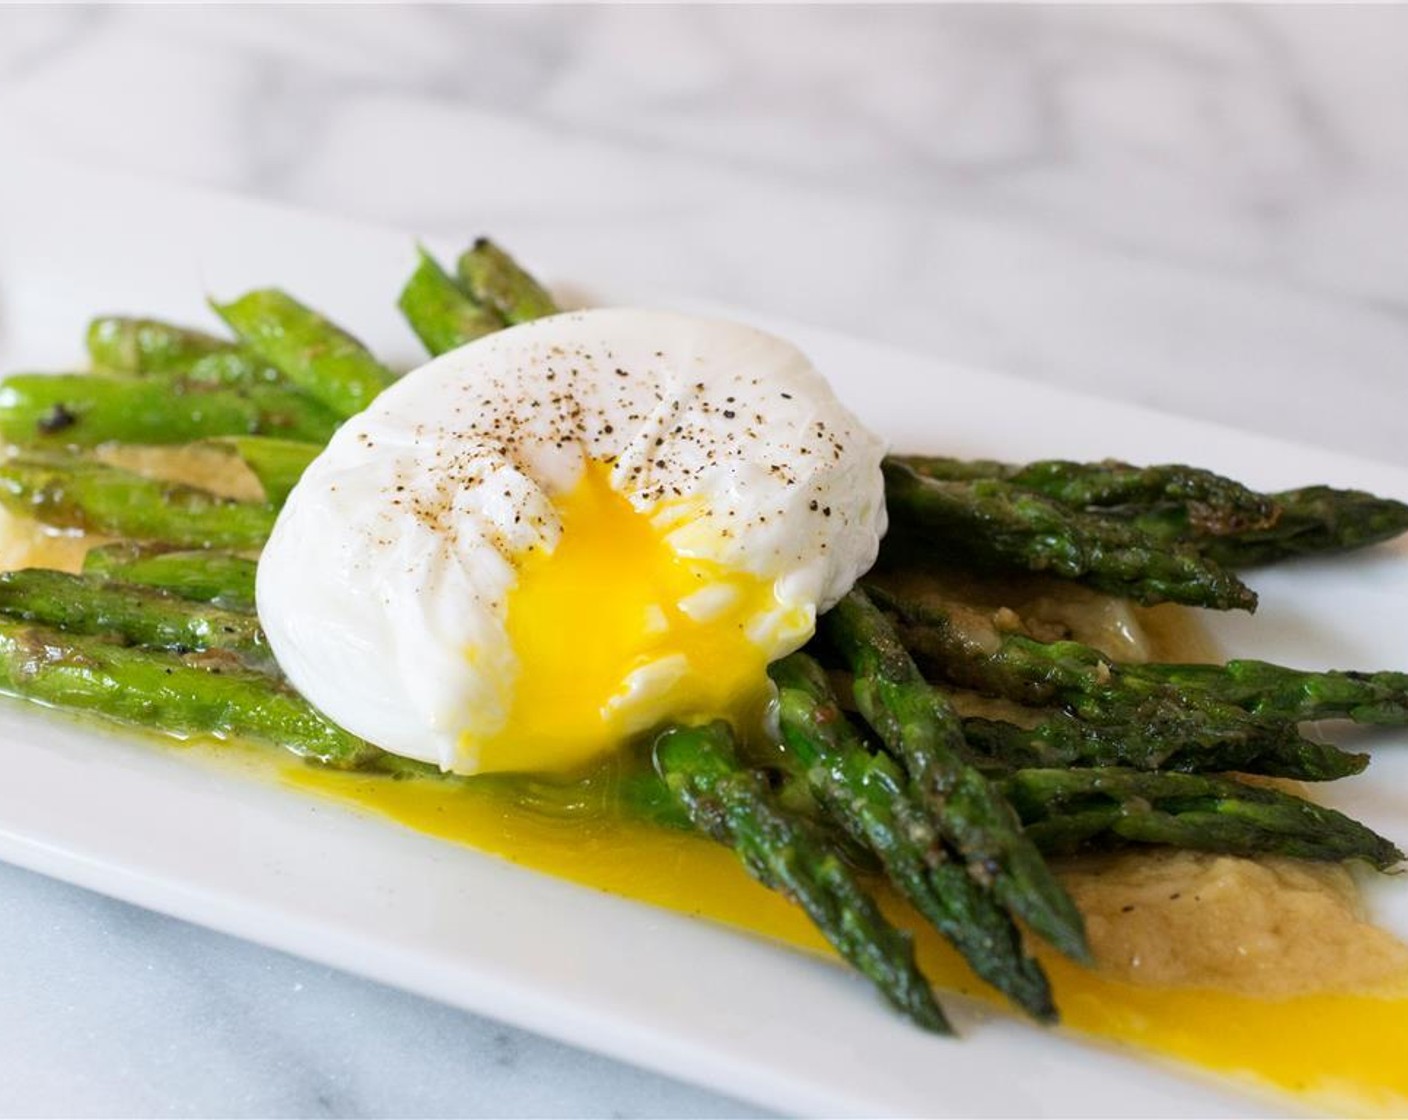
733	805
200	575
920	727
320	358
198	694
991	661
1201	705
118	344
1275	692
84	410
1165	738
995	523
441	311
277	463
869	796
1066	811
72	493
1314	521
128	345
1214	504
234	368
144	616
943	468
1226	522
497	281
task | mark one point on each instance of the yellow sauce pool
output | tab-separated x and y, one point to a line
1345	1051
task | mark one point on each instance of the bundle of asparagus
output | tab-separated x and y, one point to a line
959	814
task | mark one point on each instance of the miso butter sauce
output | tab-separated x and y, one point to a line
1339	1038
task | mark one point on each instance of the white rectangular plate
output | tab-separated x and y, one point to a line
678	995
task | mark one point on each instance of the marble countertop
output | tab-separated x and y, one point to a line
1199	209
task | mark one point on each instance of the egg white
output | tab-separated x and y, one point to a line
385	583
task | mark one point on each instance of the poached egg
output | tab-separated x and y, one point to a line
567	533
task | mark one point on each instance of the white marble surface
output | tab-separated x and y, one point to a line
1199	209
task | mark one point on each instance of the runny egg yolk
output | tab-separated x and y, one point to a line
614	631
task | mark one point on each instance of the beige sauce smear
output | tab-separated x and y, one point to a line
1270	927
24	543
212	468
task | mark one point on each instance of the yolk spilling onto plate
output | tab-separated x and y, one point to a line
1348	1052
614	632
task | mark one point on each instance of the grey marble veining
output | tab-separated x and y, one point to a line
1198	208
